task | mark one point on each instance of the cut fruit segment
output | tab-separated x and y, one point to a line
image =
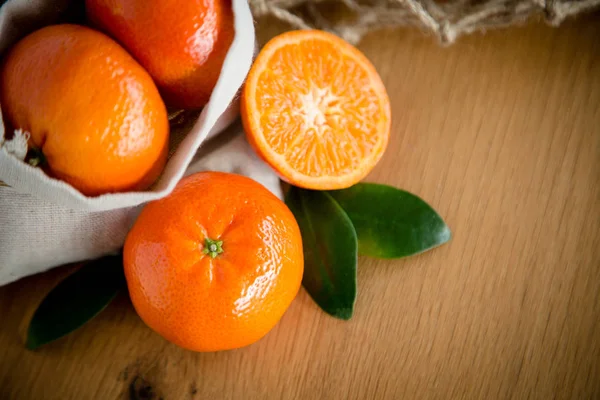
315	109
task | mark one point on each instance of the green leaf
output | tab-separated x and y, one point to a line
330	250
390	222
76	300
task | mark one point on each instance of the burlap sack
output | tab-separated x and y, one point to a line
45	222
445	19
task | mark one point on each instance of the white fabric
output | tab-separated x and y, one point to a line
45	222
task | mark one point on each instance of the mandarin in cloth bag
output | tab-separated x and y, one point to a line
45	222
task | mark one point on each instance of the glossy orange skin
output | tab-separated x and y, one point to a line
209	304
181	43
89	106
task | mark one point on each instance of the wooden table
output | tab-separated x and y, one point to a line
501	134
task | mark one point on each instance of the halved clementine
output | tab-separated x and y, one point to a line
315	109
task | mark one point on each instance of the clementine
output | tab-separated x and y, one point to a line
90	108
316	110
214	265
181	43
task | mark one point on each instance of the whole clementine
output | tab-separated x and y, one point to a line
214	265
90	108
181	43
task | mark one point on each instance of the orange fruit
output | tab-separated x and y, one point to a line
315	109
214	265
181	43
90	108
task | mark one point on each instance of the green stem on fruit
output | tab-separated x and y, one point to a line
212	247
35	157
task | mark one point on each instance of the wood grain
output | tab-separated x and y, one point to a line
501	134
